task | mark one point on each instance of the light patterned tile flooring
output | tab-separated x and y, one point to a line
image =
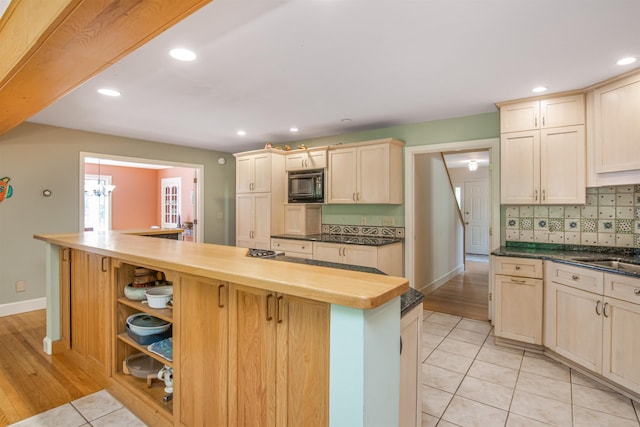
468	381
98	409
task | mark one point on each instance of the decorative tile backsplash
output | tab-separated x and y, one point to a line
611	217
363	230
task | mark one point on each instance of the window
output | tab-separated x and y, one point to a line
171	207
97	209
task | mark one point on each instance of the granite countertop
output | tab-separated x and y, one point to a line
575	255
408	299
341	238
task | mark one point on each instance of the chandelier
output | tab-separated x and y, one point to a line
99	189
473	165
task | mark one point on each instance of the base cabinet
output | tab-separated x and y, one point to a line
91	315
387	258
411	368
267	387
519	299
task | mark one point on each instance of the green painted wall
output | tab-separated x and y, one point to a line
481	126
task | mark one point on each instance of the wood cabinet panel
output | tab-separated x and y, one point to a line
563	165
519	308
520	168
540	114
621	345
306	159
411	368
577	277
520	267
202	371
253	220
342	176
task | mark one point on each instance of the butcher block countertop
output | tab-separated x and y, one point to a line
227	263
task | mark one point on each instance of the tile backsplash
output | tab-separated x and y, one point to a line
610	217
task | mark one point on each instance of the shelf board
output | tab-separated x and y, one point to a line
153	394
162	313
143	349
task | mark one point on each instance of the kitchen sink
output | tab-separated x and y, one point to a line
613	263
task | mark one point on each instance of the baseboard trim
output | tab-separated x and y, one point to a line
23	306
427	289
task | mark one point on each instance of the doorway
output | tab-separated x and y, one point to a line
137	197
419	252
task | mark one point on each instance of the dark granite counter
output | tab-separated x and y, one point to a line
408	300
580	256
341	238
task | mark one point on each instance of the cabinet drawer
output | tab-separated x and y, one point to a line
622	287
299	246
576	277
521	267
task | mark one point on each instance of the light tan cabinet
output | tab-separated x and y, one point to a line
387	258
302	219
92	306
311	158
253	220
203	339
293	248
253	172
540	114
267	387
369	172
542	151
616	125
518	306
411	368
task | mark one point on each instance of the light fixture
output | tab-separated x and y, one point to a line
108	92
293	129
100	189
182	54
626	61
241	132
539	89
345	120
473	165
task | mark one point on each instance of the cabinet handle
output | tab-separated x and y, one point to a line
544	195
358	196
221	300
575	277
604	309
104	269
535	121
637	291
543	120
354	197
400	345
279	308
597	306
65	254
303	247
517	267
519	281
269	316
536	194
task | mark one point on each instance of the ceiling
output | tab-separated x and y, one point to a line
266	66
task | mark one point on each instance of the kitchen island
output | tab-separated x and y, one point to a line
268	342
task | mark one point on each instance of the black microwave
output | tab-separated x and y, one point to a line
306	186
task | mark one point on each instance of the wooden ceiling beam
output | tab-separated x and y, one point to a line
48	48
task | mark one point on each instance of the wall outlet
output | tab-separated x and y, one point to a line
21	286
219	215
388	221
363	220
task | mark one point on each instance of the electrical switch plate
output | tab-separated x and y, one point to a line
388	221
21	286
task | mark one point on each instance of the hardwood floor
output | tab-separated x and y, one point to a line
31	381
464	295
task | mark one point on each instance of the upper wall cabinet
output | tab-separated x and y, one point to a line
367	172
616	125
256	171
310	158
541	114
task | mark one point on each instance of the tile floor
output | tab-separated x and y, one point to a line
98	409
468	381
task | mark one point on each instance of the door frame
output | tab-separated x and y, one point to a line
199	170
491	144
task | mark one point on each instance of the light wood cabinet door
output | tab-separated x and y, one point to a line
366	256
574	325
373	174
244	220
203	343
252	357
91	300
342	176
518	308
621	350
616	126
563	165
306	159
411	368
303	362
244	174
520	168
253	173
519	117
330	252
253	220
546	113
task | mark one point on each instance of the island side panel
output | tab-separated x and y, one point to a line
52	281
365	365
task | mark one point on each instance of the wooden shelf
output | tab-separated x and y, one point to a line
154	394
161	313
143	349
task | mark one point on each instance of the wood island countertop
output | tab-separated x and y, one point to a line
228	263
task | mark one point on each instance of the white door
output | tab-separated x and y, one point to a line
171	203
476	217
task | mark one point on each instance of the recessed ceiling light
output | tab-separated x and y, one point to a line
294	129
626	61
182	54
540	89
345	120
241	133
108	92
